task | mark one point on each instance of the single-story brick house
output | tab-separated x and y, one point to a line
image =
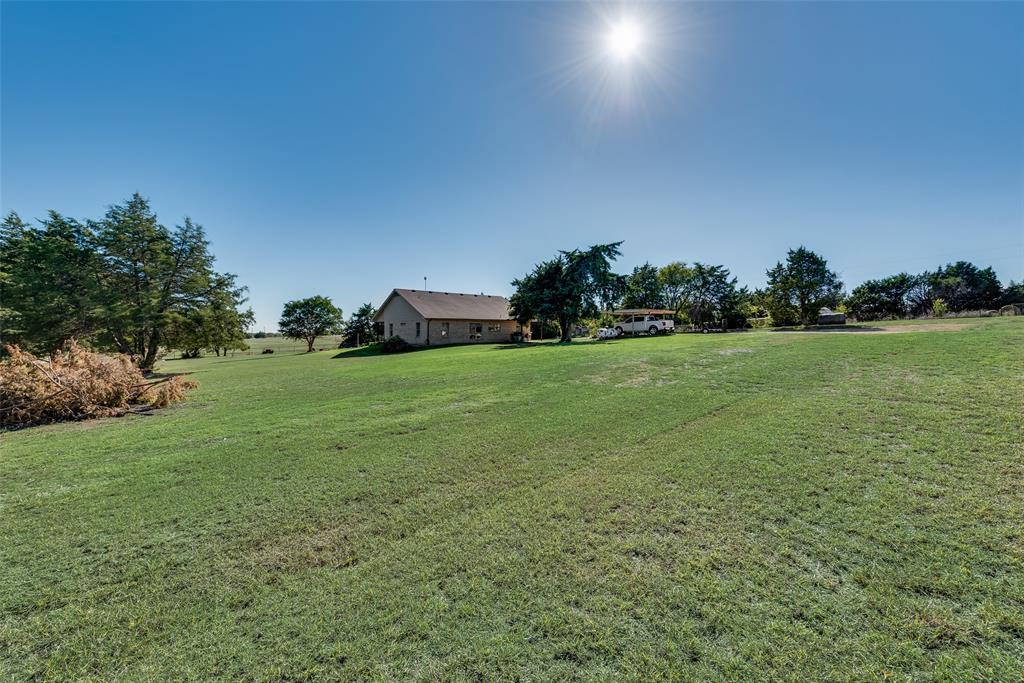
429	318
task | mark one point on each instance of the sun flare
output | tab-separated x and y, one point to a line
625	39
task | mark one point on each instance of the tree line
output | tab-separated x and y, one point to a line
578	285
124	283
129	284
955	287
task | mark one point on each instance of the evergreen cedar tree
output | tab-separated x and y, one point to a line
960	286
123	283
567	288
360	328
310	318
801	286
644	288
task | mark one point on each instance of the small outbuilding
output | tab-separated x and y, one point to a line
826	316
427	318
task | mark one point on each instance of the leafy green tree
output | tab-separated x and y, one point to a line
152	276
709	295
226	321
965	287
567	288
1013	293
220	325
780	312
737	306
920	296
48	284
674	279
878	299
644	288
801	286
360	328
12	244
125	282
310	318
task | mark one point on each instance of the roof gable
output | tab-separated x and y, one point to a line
452	305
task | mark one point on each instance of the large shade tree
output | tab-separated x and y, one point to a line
125	282
801	286
1013	293
360	328
309	318
48	288
674	279
218	326
884	298
965	287
567	288
709	296
644	289
152	276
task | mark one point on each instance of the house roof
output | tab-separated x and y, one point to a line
452	305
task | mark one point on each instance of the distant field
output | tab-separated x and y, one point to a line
800	506
278	344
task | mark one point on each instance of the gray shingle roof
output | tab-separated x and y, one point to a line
453	305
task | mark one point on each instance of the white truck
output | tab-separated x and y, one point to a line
650	321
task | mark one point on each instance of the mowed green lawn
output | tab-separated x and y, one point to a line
803	506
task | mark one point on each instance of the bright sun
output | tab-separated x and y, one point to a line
624	39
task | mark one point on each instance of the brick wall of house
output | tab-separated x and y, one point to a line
460	332
400	320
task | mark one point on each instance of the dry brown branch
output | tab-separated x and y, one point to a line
76	384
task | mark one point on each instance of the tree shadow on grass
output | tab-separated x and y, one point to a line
359	352
553	344
375	350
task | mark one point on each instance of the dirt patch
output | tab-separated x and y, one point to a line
733	352
936	327
644	380
306	550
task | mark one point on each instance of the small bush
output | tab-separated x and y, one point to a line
395	344
939	308
76	384
761	323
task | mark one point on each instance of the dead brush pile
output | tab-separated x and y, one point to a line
75	384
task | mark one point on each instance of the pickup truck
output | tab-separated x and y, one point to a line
646	322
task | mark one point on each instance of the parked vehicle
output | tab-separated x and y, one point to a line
650	321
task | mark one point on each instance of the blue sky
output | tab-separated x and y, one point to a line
345	149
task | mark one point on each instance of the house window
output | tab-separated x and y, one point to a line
444	329
417	329
494	327
391	329
476	330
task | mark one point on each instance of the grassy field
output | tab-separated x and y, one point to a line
762	505
279	345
